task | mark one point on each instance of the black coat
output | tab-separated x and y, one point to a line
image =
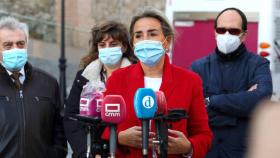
75	130
30	121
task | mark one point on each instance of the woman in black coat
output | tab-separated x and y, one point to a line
110	50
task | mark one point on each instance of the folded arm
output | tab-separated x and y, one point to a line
242	103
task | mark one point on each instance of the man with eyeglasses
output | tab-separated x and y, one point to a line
30	121
234	82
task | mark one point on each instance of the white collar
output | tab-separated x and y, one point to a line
92	71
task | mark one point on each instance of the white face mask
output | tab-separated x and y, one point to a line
227	43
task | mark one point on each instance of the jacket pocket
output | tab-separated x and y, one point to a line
43	106
44	103
43	113
4	98
42	98
5	108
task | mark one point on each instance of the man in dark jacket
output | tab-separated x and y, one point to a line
234	81
30	121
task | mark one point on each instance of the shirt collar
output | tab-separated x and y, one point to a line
21	72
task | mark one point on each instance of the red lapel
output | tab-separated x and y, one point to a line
136	79
168	82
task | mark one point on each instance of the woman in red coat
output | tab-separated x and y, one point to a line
151	36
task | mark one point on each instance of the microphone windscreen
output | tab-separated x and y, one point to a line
145	104
161	103
113	109
95	105
90	104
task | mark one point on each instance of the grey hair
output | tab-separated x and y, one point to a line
12	23
148	11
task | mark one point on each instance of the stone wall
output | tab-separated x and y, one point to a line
80	17
43	16
38	14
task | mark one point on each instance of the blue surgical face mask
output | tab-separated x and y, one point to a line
14	59
149	52
110	56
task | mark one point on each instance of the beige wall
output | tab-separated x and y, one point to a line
82	15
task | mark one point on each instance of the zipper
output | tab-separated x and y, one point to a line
21	106
21	94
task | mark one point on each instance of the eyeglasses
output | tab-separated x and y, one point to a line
232	31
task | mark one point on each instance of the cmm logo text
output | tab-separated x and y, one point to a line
112	110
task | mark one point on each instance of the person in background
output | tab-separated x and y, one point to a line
264	140
109	51
30	120
151	37
234	81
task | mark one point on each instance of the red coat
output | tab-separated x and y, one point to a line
182	89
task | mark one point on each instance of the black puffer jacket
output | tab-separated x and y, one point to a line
30	121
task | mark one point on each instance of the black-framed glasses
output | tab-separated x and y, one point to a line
232	31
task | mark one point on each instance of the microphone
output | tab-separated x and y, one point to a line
161	125
91	99
161	103
113	111
145	106
90	104
95	106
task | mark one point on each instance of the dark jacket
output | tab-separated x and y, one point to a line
226	82
76	131
30	121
